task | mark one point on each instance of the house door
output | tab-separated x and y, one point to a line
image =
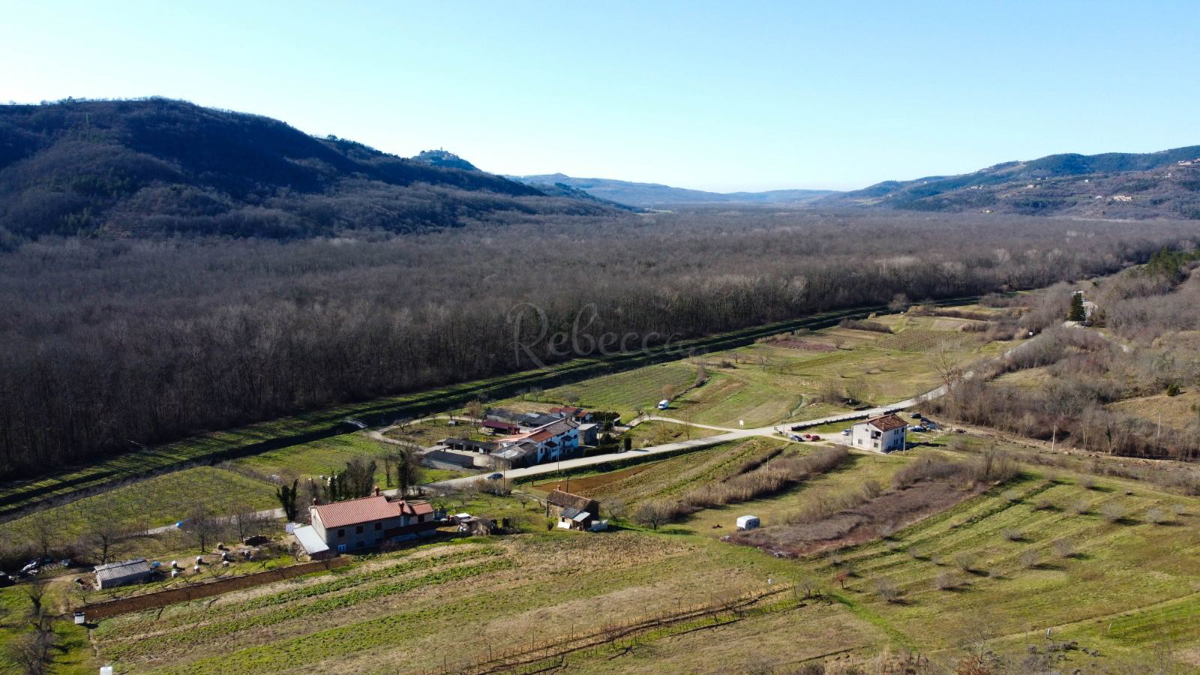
341	548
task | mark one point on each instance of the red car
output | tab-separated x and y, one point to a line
815	438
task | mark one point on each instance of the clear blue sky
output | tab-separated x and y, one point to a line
725	96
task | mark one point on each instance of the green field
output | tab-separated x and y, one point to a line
319	457
152	503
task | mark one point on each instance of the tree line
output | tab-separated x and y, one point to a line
107	346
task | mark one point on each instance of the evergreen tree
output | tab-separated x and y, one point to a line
287	494
1077	312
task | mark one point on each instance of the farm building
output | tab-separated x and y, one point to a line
369	521
574	512
885	434
124	573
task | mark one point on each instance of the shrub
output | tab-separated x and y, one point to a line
966	561
944	581
1011	496
1029	558
1173	389
993	465
1081	508
888	590
1064	548
1112	512
926	468
1158	517
1087	482
1012	534
1043	504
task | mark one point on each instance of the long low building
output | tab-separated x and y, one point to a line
123	573
367	522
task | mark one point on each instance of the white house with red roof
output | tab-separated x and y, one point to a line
549	443
882	434
367	522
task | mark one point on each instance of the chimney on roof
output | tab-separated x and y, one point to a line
376	490
314	501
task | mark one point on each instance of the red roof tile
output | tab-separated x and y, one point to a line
887	423
368	509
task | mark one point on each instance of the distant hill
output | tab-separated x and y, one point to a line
1113	185
655	195
162	167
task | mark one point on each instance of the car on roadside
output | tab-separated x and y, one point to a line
919	429
496	476
797	438
814	437
845	432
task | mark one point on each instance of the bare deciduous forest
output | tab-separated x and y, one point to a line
108	343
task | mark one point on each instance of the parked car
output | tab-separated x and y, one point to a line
815	437
798	439
496	476
919	428
916	416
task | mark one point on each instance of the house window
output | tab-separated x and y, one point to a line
342	533
378	526
360	544
358	530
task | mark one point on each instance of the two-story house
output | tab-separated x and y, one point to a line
883	434
369	521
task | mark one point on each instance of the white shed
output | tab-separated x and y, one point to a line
747	522
123	573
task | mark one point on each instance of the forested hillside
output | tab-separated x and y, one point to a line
106	344
160	167
1113	185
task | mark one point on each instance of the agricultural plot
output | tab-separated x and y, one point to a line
405	611
676	475
151	503
626	392
430	432
319	457
659	433
1032	555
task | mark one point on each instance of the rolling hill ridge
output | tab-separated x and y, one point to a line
1162	184
163	167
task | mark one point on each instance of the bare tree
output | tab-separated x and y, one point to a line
946	361
104	533
203	526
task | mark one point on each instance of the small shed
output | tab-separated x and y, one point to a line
575	512
589	433
123	573
312	543
747	522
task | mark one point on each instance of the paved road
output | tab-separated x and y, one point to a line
728	435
